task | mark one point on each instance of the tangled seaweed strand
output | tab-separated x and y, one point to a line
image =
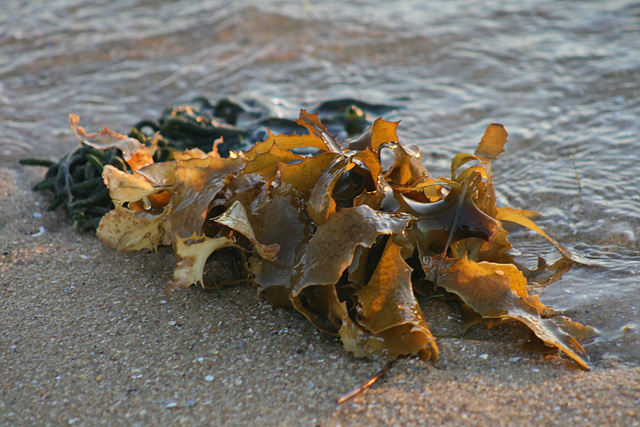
76	179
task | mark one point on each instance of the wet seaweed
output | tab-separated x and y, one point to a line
328	231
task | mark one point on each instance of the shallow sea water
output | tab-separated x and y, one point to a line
562	76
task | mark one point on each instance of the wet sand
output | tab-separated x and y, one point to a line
87	337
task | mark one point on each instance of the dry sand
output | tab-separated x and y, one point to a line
87	337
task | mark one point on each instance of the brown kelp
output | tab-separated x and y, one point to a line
329	231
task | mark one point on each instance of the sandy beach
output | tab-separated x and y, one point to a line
87	337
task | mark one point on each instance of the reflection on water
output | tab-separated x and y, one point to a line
564	78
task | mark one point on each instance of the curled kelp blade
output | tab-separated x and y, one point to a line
517	217
374	137
456	217
315	127
497	291
135	154
322	206
236	218
389	309
489	148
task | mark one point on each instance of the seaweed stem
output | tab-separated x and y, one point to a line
356	391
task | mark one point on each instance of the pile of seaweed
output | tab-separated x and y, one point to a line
323	225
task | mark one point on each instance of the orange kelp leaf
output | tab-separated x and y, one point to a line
370	160
158	174
383	132
362	183
315	127
374	197
479	177
391	311
266	163
302	177
192	253
332	247
125	187
122	229
285	142
469	172
489	289
134	153
492	142
490	146
193	153
235	217
518	217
